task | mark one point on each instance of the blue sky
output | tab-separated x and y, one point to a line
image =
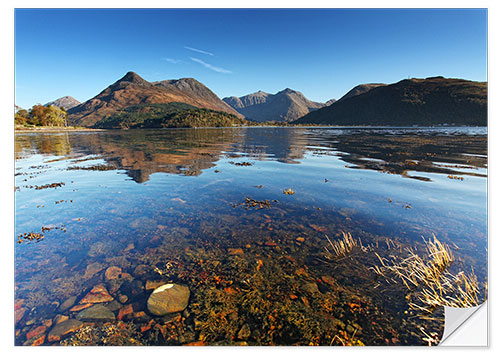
322	53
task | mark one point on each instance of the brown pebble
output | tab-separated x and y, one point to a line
35	341
80	307
124	311
19	313
60	318
96	295
112	273
36	332
151	285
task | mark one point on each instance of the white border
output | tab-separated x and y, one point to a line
6	132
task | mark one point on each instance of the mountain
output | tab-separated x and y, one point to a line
330	102
429	101
284	106
133	90
360	89
167	115
66	102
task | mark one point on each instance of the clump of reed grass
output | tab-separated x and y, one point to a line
341	247
429	279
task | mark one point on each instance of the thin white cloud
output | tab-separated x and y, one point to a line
172	60
199	51
209	66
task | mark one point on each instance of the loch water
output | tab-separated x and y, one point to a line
243	217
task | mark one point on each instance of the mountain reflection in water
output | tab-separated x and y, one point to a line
188	152
207	209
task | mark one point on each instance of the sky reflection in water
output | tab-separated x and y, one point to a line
400	183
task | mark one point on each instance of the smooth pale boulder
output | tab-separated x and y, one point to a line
168	298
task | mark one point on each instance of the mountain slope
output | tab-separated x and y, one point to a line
170	115
429	101
360	89
133	90
66	102
286	105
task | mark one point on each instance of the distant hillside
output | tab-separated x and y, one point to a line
330	102
284	106
170	115
360	89
133	90
66	102
430	101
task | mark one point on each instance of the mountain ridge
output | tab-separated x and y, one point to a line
428	101
283	106
132	89
67	102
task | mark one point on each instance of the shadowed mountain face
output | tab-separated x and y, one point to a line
134	90
360	89
66	102
430	101
284	106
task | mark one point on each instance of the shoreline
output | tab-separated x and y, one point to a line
48	129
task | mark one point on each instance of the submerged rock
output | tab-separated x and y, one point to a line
97	313
60	318
151	285
96	295
36	332
112	273
67	303
92	269
63	328
168	298
35	341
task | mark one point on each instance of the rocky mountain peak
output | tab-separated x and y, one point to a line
133	77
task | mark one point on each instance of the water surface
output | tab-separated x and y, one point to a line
175	201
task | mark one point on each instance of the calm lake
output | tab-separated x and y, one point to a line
242	217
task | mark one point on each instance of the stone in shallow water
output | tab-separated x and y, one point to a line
124	311
151	285
80	307
19	313
112	273
64	328
67	303
96	295
37	331
92	269
97	313
60	318
35	341
141	270
114	305
168	298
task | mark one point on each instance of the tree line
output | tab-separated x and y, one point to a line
41	115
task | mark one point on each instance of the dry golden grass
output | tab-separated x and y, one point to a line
341	247
429	278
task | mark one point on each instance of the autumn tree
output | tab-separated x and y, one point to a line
41	115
